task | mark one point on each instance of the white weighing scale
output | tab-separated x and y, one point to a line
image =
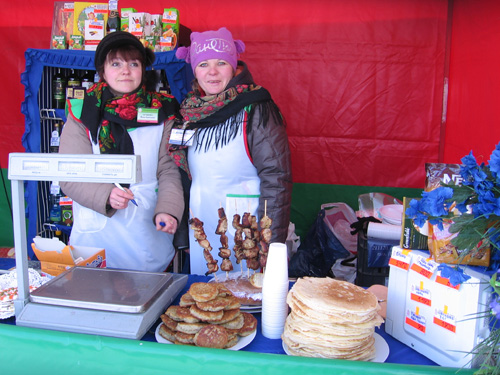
102	301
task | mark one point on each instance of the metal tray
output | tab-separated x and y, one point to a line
103	289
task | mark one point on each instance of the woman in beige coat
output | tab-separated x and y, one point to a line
136	225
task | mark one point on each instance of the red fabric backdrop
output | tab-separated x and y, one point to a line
474	105
360	82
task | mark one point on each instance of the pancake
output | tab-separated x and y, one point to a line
203	292
228	316
249	324
223	291
184	338
169	322
211	336
327	296
235	324
186	300
233	303
331	319
216	304
190	328
181	314
166	333
206	316
231	341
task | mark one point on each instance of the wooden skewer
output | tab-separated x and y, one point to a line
265	207
227	275
215	278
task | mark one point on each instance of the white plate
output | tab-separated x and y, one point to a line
392	213
251	308
242	341
381	349
236	275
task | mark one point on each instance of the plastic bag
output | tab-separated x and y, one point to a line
339	217
370	204
318	252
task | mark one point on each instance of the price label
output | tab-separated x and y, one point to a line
445	320
400	258
420	295
423	266
446	282
413	319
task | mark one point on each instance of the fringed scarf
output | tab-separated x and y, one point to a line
107	117
219	114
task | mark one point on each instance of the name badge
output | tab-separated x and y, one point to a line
181	137
147	115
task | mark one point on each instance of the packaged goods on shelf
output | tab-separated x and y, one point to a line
75	42
170	29
124	20
62	24
89	11
139	24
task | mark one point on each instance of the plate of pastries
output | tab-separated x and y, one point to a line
208	315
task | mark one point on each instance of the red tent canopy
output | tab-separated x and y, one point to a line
361	83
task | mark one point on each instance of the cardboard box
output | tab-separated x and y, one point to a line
426	312
58	42
62	21
93	33
56	257
88	11
139	24
75	42
170	29
156	24
412	236
124	13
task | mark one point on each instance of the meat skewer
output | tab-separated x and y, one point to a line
265	237
224	252
201	237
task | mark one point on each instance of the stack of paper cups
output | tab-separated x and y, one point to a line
274	292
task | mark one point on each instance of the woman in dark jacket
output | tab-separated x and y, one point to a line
237	149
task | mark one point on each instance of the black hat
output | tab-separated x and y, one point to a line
119	39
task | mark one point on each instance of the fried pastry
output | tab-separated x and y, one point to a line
211	336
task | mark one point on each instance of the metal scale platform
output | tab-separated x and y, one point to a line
101	301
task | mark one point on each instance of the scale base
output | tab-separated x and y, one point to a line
99	322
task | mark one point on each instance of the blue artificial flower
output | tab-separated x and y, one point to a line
495	162
414	212
495	306
469	164
433	202
455	275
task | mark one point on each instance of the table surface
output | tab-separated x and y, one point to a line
398	352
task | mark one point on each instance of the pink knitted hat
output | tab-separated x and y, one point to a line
212	45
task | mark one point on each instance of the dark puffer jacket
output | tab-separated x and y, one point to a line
270	152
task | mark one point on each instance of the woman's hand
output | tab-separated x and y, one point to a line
166	223
118	199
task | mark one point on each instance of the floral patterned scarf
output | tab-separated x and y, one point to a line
108	117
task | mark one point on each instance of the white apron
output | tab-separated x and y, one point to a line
221	178
129	237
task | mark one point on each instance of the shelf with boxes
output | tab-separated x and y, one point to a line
41	116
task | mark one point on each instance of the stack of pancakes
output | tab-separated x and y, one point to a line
208	315
331	319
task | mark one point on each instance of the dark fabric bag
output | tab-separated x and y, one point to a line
317	254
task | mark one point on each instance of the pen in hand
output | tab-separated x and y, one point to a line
122	189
